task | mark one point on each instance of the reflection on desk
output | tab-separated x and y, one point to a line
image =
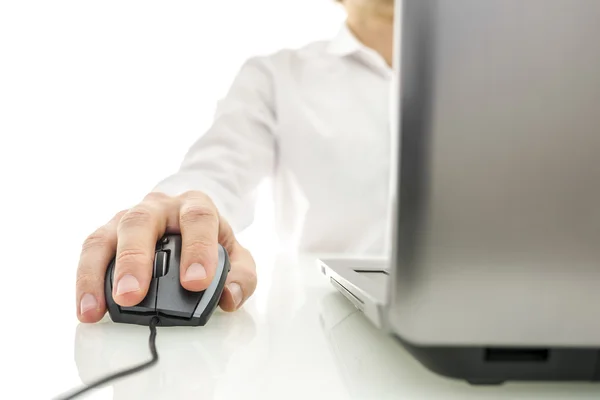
297	338
190	360
273	348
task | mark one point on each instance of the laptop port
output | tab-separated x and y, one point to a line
516	355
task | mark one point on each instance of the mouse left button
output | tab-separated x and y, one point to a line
148	304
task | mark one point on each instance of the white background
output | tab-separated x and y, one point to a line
98	102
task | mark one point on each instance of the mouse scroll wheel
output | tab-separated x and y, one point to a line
161	263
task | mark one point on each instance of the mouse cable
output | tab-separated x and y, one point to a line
124	373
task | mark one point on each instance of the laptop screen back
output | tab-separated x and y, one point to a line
499	169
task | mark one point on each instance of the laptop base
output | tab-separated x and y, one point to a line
362	281
475	365
495	366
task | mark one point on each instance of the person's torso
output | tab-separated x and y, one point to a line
333	150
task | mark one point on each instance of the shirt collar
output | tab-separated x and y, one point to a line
345	44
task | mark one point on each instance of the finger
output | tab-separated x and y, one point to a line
199	225
96	253
138	231
241	280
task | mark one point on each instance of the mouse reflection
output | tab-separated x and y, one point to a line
191	359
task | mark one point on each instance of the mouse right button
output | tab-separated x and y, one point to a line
172	299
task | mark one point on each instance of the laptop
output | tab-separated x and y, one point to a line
494	272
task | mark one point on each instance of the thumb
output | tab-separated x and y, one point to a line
241	280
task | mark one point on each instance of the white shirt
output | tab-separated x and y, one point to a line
315	121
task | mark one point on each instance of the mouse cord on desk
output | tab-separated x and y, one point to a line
124	373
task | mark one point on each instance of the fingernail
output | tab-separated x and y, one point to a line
88	302
195	272
236	293
128	283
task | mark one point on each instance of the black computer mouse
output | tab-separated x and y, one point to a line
166	298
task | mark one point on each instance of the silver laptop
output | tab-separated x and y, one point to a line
495	269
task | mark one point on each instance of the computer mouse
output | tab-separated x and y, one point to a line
166	298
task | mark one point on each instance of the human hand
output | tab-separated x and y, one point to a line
131	236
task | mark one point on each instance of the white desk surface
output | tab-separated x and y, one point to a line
297	338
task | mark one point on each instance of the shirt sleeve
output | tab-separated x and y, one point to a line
229	161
